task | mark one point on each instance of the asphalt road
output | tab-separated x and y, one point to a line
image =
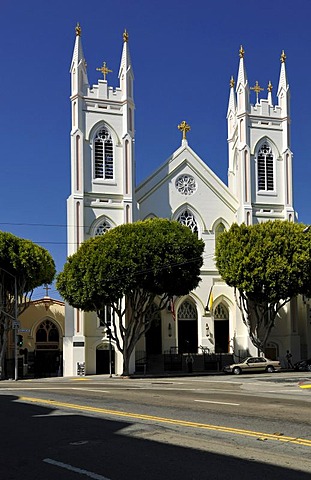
211	427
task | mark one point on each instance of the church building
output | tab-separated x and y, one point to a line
183	188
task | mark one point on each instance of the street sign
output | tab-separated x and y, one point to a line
16	324
23	330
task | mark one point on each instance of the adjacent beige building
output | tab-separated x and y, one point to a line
40	340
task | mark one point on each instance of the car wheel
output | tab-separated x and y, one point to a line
237	371
270	369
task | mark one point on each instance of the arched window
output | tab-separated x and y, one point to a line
187	311
102	228
219	229
188	219
47	333
265	168
103	155
221	312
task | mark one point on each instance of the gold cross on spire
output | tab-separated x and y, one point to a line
256	89
184	128
270	86
232	82
104	69
241	52
283	57
78	30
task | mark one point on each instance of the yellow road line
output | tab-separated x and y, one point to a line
79	379
305	385
183	423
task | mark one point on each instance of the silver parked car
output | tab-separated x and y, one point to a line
254	364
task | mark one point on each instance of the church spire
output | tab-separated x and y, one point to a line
242	78
232	98
283	93
242	84
283	84
78	64
78	55
126	63
231	112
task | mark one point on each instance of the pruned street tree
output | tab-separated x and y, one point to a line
126	269
23	267
267	264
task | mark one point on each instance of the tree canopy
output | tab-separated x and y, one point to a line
23	267
267	264
126	269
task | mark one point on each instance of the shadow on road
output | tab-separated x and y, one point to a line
32	433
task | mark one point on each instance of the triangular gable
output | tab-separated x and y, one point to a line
185	158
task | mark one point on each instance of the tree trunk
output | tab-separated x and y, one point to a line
126	363
3	353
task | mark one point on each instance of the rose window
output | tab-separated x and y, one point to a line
186	184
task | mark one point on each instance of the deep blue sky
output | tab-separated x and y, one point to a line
183	55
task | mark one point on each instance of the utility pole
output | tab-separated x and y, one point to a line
15	322
15	331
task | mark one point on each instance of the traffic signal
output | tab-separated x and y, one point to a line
20	340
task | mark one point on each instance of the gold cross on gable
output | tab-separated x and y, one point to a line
184	128
104	69
257	89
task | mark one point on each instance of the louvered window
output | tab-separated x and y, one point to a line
265	168
103	165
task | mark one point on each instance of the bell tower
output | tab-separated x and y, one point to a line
260	158
102	169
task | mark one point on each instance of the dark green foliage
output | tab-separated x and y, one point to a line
158	256
31	264
23	265
137	261
268	264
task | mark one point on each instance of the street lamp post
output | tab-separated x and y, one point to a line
110	353
15	331
15	325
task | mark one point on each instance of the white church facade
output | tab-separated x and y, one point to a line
183	188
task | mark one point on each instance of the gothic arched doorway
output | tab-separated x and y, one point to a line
221	329
187	328
103	359
47	361
153	336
